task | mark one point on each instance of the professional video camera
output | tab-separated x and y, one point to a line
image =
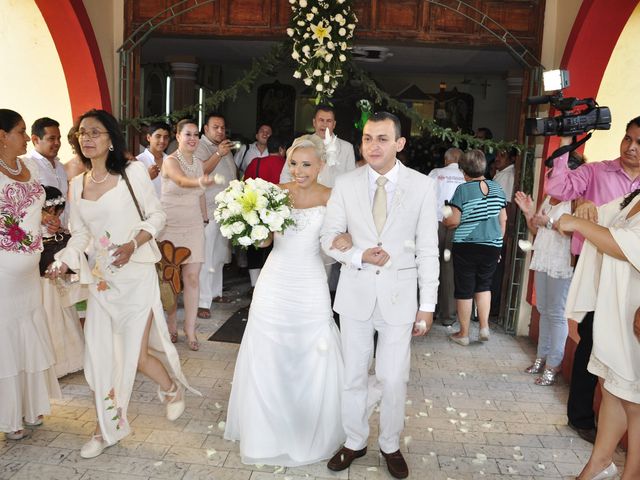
571	121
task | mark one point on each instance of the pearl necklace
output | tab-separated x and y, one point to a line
13	171
189	169
93	179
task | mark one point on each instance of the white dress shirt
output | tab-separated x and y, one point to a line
505	178
389	187
448	179
247	153
148	159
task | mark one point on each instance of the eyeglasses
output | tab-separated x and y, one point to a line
89	133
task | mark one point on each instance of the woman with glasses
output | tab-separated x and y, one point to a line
27	375
115	209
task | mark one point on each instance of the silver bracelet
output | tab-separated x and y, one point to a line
135	244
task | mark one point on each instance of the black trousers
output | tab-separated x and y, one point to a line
583	383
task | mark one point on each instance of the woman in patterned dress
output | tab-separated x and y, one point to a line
27	376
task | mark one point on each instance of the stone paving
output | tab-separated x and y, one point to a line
471	414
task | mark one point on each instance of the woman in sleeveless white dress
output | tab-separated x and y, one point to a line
285	400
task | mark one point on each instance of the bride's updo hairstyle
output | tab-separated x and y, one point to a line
307	141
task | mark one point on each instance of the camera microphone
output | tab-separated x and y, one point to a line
539	100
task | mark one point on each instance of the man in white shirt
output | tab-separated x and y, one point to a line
339	153
153	156
257	149
447	179
505	172
214	151
45	135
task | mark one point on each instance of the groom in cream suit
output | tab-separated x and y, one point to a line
390	212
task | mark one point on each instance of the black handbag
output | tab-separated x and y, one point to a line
51	246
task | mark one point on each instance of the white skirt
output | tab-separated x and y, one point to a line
64	325
27	376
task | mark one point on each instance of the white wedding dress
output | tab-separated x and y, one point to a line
285	399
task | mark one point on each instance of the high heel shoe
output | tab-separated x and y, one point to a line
193	345
175	407
609	472
548	377
537	366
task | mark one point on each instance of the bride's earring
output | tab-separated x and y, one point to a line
111	148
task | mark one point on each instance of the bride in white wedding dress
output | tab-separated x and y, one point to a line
285	398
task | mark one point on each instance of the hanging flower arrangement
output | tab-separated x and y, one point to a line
322	35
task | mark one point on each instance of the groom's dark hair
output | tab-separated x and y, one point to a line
382	116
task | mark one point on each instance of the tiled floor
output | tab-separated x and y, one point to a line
471	414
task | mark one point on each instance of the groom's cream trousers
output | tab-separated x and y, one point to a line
393	360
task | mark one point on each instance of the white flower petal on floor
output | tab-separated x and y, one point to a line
409	402
217	405
462	374
487	425
157	464
221	425
480	458
518	457
407	440
453	421
450	409
512	471
423	414
540	466
211	452
279	470
464	430
463	414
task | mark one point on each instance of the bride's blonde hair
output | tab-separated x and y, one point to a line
307	141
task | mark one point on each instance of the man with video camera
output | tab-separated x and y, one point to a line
596	183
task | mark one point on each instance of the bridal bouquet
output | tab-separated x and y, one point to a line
248	211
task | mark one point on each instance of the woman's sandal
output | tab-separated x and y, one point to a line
536	367
548	377
193	345
175	406
174	337
204	313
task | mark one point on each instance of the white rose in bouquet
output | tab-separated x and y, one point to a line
245	241
259	233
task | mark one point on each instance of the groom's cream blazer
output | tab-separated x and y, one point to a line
409	236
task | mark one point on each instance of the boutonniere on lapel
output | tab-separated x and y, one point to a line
397	199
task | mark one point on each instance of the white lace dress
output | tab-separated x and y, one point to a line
551	249
285	400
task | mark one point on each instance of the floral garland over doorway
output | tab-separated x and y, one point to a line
322	36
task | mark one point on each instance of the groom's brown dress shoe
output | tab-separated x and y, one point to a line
344	457
395	464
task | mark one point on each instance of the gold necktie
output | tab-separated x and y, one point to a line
380	204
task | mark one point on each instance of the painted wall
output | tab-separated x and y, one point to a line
107	20
36	86
619	91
